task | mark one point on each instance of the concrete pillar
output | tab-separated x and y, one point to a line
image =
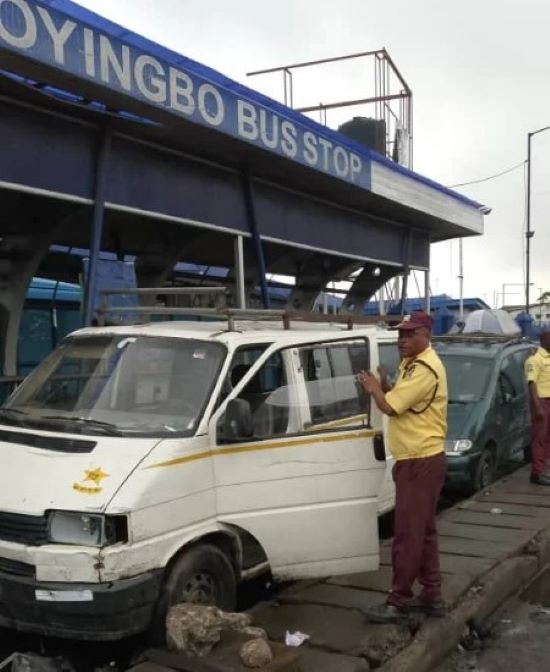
366	284
312	276
20	257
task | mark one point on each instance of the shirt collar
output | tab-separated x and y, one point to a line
422	355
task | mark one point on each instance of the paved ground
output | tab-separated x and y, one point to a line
518	638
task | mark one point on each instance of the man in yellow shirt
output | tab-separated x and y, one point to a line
417	410
537	372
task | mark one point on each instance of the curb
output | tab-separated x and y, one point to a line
438	637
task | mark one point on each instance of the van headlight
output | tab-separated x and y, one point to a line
458	447
86	529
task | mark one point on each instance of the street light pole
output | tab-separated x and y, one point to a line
528	233
511	284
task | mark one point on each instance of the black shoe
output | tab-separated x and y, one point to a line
540	479
386	613
437	608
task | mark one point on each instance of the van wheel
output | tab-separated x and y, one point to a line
202	575
484	473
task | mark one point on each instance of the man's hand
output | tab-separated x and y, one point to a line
371	386
369	382
384	380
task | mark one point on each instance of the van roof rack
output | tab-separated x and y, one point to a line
229	314
481	338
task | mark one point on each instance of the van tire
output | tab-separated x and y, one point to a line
484	473
202	574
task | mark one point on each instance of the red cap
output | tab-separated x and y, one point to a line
418	318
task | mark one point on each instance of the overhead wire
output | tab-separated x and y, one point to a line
490	177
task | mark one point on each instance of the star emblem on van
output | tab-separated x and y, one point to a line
95	475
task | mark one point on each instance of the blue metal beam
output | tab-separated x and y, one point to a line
97	223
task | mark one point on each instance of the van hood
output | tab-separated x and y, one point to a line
48	470
459	420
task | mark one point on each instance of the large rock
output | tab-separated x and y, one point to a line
256	653
195	629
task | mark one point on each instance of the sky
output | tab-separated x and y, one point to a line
479	72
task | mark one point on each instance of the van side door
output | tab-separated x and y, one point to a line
511	409
295	464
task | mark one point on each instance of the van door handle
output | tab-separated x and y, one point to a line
379	447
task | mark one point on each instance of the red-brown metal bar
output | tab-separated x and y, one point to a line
348	103
309	63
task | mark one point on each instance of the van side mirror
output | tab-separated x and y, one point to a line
238	421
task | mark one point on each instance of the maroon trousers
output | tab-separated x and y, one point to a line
540	439
415	553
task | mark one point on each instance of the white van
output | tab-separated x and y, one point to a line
148	465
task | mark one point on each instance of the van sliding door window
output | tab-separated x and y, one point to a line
333	393
267	394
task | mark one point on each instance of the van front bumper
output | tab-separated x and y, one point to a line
86	611
460	468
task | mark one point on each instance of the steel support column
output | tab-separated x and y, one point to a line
406	271
97	223
240	294
256	238
427	295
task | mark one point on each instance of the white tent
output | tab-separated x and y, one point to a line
487	321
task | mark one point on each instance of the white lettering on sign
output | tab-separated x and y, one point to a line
59	36
247	120
356	166
210	104
111	62
24	37
269	129
311	155
152	85
181	92
288	134
50	36
89	52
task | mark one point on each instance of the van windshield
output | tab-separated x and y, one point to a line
119	385
467	377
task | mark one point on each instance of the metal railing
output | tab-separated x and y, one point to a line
231	315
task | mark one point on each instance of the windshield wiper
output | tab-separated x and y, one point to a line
107	427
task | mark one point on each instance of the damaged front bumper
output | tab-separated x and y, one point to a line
86	611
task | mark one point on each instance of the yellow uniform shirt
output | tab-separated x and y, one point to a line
537	370
419	398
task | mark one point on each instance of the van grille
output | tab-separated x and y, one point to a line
17	568
23	529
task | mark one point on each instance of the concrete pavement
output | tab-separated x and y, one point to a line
492	545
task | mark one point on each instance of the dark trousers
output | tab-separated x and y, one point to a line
540	440
415	553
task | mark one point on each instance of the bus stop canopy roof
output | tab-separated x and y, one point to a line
56	54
